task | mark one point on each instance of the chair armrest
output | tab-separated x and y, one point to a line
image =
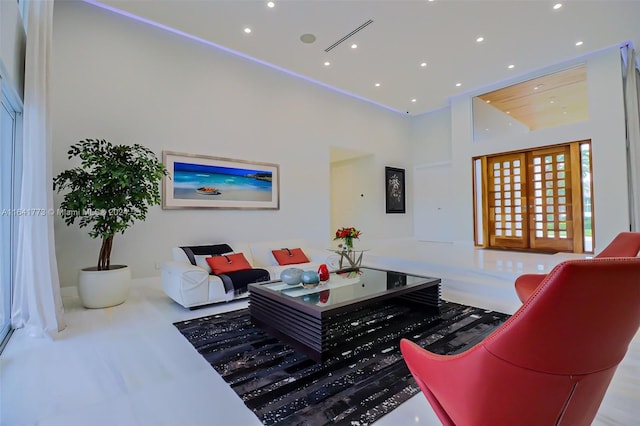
457	385
526	284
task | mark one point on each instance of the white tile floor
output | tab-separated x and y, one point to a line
127	365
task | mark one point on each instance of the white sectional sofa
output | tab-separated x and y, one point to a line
193	285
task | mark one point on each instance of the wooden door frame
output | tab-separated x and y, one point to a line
576	194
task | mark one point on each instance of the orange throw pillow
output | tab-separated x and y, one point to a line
290	256
228	263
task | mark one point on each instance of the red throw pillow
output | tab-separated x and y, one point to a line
228	263
290	256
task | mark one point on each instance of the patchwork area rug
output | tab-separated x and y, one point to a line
360	381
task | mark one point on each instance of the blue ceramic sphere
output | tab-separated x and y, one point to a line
291	276
310	278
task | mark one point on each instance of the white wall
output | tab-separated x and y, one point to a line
430	135
605	128
431	155
12	46
129	82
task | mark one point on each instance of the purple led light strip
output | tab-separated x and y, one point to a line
234	52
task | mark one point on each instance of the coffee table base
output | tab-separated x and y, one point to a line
308	333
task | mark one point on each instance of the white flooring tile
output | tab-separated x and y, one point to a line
128	365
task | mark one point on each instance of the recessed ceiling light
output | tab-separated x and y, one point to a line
327	63
307	38
488	101
480	39
508	112
247	30
511	66
271	4
414	100
557	6
354	46
424	64
377	84
579	43
458	84
538	86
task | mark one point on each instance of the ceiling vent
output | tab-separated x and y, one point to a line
352	33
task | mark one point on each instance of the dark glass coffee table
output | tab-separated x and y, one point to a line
303	317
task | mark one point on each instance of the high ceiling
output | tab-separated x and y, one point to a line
528	34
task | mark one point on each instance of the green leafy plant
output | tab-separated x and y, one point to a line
111	189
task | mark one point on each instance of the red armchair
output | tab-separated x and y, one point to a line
551	362
625	244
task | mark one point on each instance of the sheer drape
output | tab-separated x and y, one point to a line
631	100
37	304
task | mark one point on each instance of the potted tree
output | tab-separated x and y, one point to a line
111	188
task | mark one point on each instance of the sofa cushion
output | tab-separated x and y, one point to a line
226	263
262	251
292	256
211	250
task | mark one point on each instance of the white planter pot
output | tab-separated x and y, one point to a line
102	289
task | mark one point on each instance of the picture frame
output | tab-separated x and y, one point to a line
394	179
203	181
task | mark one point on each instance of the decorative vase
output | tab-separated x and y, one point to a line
106	288
291	276
348	243
323	272
310	279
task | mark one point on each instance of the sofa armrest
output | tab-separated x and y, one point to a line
185	283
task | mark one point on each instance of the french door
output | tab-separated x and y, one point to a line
533	199
508	201
552	200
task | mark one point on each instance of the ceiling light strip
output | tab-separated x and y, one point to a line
342	40
239	54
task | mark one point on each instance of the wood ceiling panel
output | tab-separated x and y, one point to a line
548	101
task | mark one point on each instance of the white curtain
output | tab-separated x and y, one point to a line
37	304
631	100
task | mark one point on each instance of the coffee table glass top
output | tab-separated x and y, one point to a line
348	286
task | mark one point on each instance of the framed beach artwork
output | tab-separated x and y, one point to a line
201	181
394	187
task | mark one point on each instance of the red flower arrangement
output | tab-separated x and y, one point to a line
347	234
350	232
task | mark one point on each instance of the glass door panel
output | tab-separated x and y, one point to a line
7	144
